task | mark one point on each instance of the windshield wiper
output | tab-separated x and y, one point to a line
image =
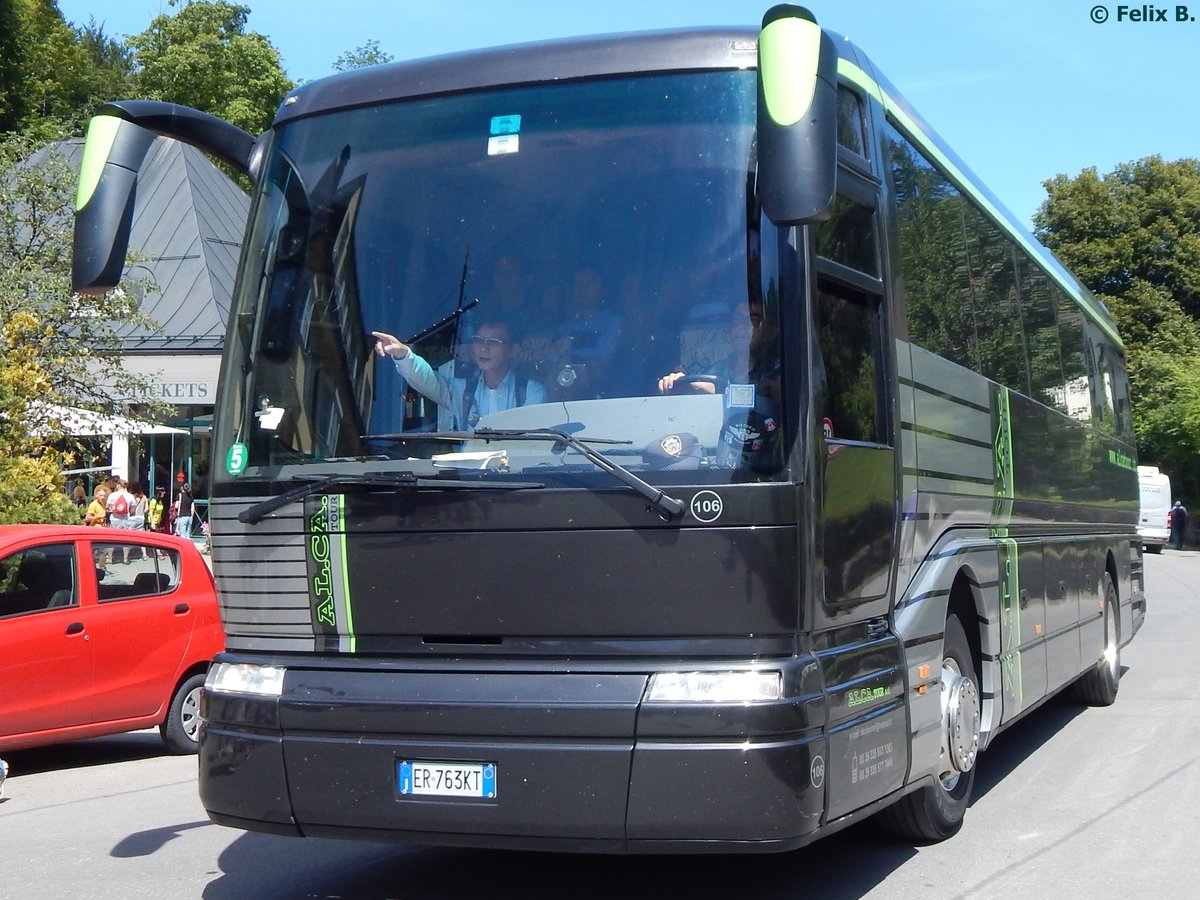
666	506
315	484
534	435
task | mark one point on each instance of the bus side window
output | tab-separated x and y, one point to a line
851	123
851	350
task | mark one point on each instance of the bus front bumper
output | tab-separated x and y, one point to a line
581	761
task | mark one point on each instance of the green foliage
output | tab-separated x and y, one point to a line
11	73
1133	237
56	347
1138	223
31	490
203	57
111	76
53	73
368	54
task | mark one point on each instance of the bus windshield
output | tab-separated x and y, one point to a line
586	257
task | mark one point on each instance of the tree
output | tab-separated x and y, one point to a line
1133	237
368	54
57	348
12	107
1138	224
204	58
31	489
111	72
52	75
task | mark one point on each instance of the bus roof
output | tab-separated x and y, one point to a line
675	50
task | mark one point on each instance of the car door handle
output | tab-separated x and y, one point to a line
180	608
75	628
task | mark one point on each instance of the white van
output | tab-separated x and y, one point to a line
1154	520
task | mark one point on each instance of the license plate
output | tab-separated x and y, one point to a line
433	778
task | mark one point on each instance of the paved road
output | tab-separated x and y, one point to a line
1072	803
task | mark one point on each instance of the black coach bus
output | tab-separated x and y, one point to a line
804	471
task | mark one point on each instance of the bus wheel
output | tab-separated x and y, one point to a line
935	812
1098	685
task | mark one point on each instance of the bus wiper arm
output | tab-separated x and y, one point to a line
315	484
667	506
540	434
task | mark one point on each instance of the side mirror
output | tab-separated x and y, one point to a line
116	145
112	154
797	117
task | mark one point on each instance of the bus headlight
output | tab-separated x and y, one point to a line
245	678
755	686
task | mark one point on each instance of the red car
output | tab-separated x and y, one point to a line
102	631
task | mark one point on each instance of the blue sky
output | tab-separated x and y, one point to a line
1022	90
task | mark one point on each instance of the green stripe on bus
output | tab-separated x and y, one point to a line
345	567
1002	450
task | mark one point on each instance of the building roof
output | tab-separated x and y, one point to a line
186	237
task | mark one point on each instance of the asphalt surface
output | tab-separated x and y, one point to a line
1072	802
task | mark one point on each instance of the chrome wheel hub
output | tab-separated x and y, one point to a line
960	723
1112	652
190	714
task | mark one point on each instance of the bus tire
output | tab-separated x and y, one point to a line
935	812
1098	685
180	728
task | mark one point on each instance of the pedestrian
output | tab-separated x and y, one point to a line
97	511
3	775
140	507
183	512
1179	522
156	511
120	507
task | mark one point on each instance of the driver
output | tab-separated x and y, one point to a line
492	387
753	358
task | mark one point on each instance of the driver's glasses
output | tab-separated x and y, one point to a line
480	341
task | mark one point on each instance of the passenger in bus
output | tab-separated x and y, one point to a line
492	387
753	358
507	298
573	354
592	334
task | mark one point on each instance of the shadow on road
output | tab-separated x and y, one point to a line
81	754
1021	741
845	865
146	843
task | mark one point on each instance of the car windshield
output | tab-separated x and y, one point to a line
586	257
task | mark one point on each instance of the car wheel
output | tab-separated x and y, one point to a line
935	812
180	730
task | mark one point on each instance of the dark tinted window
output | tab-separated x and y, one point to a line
848	236
851	353
126	570
39	578
973	295
851	128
